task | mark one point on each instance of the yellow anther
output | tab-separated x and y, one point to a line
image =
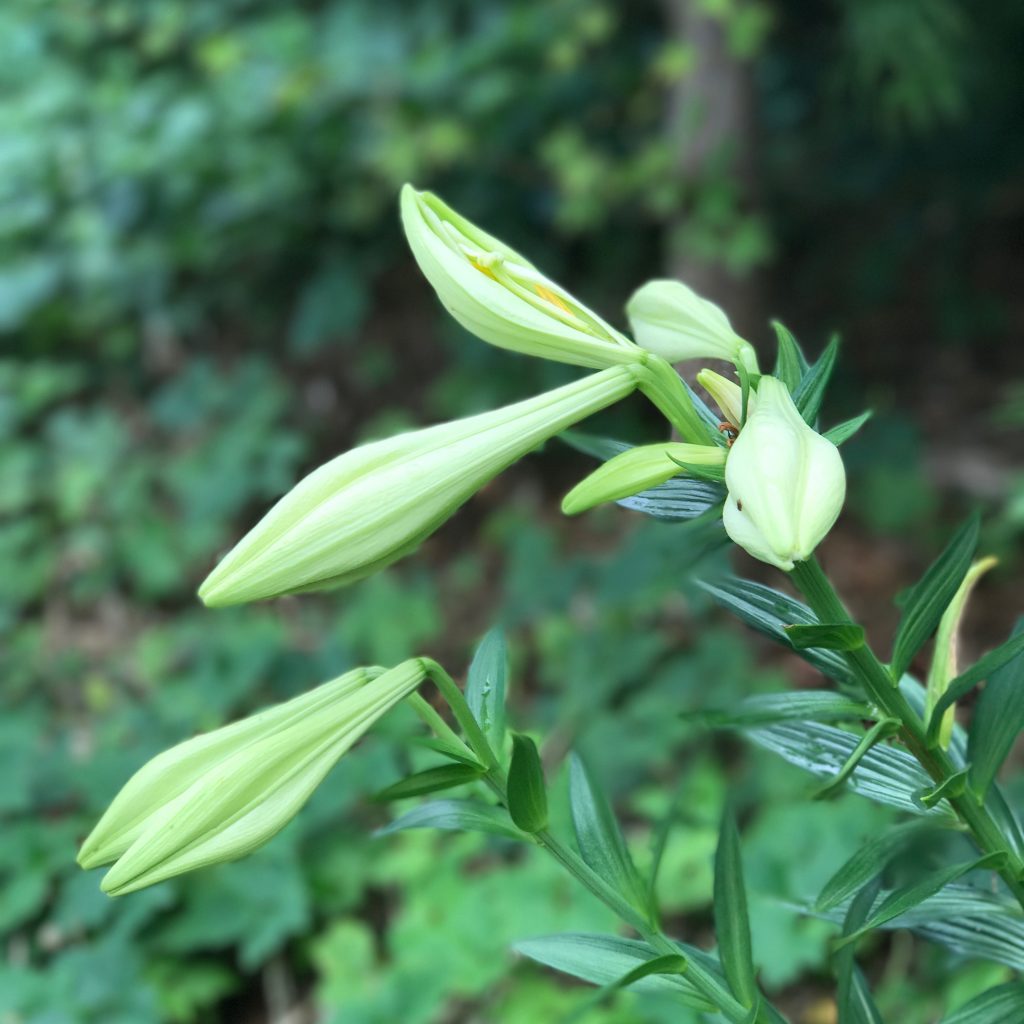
550	296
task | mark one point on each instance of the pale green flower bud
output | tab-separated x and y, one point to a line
373	505
499	296
673	321
219	796
637	469
786	482
728	396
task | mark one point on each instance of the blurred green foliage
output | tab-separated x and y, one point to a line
203	293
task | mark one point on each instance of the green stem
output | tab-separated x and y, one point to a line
879	685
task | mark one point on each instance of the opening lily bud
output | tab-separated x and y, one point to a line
375	504
220	796
673	321
786	482
637	469
501	297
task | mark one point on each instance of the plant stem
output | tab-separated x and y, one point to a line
884	691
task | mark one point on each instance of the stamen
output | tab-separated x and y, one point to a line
550	296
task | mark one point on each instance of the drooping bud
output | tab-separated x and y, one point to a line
373	505
786	482
672	320
637	469
501	297
221	795
728	395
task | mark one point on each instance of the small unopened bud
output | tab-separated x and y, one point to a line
221	795
786	482
377	503
637	469
728	395
499	296
673	321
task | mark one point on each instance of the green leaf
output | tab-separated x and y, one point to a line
869	862
444	776
713	474
810	392
1001	1005
790	362
667	964
947	789
732	926
605	960
603	448
998	719
485	686
527	794
928	598
842	432
455	816
901	900
600	840
981	670
882	729
794	705
853	998
831	636
887	775
770	612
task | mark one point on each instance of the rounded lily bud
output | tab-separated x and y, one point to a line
501	297
674	322
786	482
219	796
377	503
637	469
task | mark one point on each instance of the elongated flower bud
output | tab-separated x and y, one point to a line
499	296
727	394
220	796
375	504
637	469
786	482
673	321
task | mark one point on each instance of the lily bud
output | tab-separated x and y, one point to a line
673	321
786	482
728	395
637	469
219	796
373	505
501	297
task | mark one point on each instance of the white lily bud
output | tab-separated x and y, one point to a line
501	297
673	321
728	395
637	469
219	796
377	503
786	482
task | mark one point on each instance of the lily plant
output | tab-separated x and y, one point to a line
760	465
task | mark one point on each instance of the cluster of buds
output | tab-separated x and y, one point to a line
218	796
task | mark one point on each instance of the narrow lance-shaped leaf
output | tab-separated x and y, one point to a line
485	686
810	392
600	840
854	1001
527	794
901	900
930	596
842	432
792	706
667	964
790	362
831	636
1001	1005
998	719
881	730
444	776
732	926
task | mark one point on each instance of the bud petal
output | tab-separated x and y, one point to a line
637	469
499	296
786	482
673	321
220	796
728	395
375	504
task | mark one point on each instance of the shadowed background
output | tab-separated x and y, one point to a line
204	293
